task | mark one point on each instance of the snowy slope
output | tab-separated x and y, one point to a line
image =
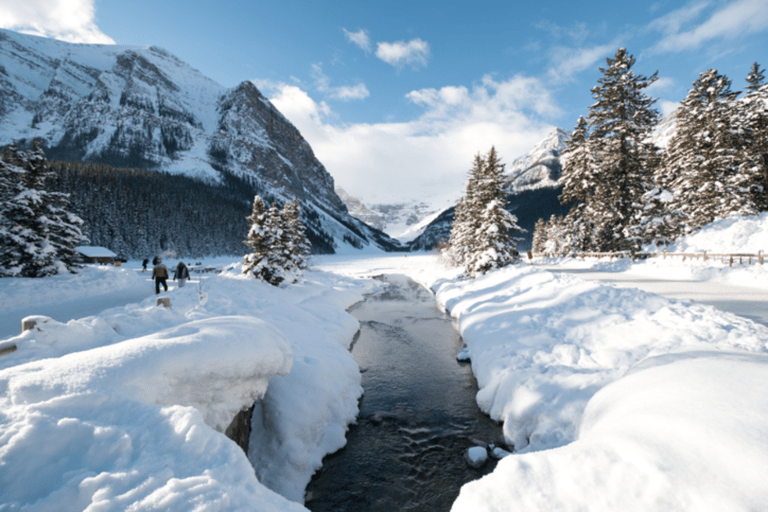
130	403
540	167
402	221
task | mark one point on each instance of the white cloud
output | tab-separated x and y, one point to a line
413	52
662	84
428	156
354	92
345	92
730	21
67	20
673	22
567	62
360	38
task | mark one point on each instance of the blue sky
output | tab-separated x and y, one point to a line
397	97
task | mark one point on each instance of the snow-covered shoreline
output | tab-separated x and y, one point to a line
130	403
615	399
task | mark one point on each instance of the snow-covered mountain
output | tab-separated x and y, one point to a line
533	193
142	107
422	224
540	167
403	221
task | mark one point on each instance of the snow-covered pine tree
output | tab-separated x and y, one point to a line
539	236
492	244
263	240
295	243
579	178
465	219
558	239
701	164
619	122
754	128
38	235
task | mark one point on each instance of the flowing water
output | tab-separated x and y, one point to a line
418	415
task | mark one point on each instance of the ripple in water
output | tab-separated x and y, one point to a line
418	415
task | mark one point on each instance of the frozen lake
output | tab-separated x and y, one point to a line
747	302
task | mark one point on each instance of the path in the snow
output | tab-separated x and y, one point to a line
749	303
418	415
10	318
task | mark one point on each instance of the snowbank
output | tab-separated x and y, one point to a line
542	345
130	423
125	409
736	234
680	432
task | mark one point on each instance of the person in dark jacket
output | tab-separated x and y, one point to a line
160	274
155	260
144	264
182	274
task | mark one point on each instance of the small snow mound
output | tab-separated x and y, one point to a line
463	355
476	456
499	453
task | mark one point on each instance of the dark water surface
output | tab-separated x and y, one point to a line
418	415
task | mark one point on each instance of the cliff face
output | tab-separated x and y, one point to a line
142	107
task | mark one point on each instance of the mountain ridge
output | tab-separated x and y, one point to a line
142	107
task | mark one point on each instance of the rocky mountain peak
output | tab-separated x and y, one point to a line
540	167
141	107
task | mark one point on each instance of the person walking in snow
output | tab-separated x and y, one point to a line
160	274
144	264
182	274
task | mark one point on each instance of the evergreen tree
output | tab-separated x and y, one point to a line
296	243
701	165
754	129
539	236
261	241
620	122
485	228
465	219
579	178
38	235
755	78
558	240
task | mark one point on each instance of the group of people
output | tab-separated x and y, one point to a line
160	273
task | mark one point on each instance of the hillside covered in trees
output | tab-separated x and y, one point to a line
138	213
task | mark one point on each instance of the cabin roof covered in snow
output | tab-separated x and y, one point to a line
90	251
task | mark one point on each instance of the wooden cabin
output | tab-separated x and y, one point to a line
93	254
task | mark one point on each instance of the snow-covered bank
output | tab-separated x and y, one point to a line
125	409
67	296
541	345
679	432
615	398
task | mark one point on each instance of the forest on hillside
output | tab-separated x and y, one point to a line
138	213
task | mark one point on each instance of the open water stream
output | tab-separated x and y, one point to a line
418	415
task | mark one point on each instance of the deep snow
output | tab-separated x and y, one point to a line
613	397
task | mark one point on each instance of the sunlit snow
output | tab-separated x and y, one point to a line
614	398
